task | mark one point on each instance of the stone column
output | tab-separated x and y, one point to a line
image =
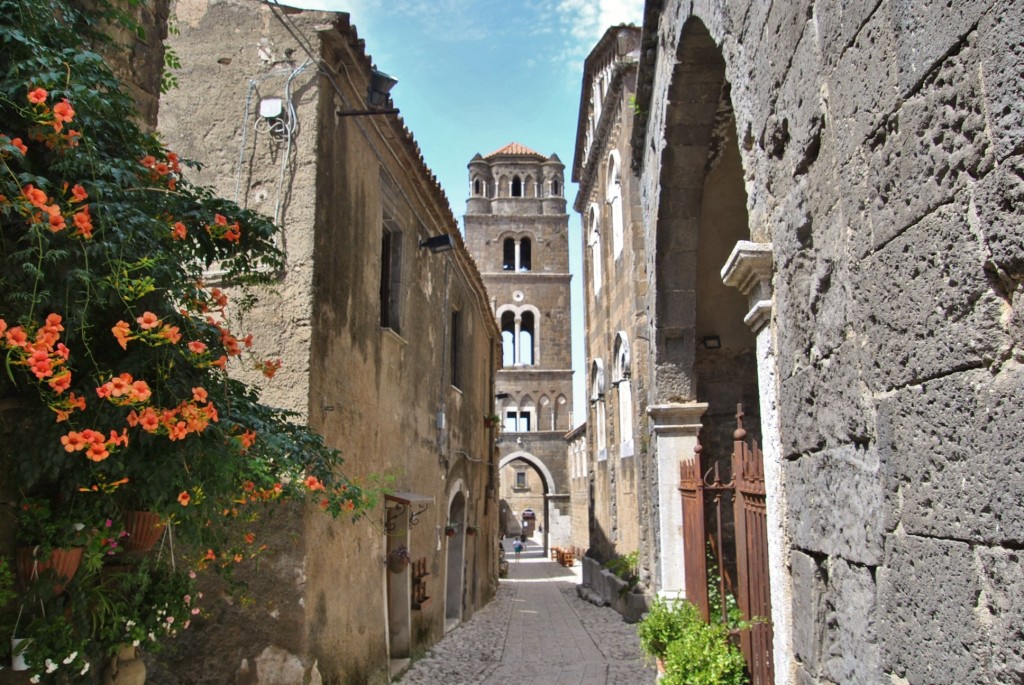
675	427
515	261
749	269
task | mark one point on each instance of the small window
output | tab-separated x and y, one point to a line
477	187
556	189
390	253
456	334
517	187
521	479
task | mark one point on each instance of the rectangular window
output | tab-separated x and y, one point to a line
520	479
390	262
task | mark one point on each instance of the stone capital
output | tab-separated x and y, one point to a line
677	418
749	269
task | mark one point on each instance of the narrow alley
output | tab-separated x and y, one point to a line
536	631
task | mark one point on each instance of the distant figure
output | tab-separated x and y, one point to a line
517	547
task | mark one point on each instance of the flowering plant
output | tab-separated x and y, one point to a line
116	347
146	603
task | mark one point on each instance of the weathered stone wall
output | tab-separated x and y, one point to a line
881	148
623	484
388	398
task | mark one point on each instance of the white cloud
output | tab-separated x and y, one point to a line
584	22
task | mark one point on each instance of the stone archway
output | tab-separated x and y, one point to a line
710	351
539	502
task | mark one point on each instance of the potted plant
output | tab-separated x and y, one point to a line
661	625
399	559
703	654
491	420
471	530
51	540
450	530
688	650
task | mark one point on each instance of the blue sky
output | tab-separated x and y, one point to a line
474	75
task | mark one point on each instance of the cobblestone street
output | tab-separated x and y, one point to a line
536	631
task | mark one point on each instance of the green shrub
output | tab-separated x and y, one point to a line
703	655
694	652
663	624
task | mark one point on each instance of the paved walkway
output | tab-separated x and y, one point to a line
536	631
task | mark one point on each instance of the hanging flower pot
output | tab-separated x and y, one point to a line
144	529
18	654
450	531
398	559
63	562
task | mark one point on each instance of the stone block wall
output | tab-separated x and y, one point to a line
882	152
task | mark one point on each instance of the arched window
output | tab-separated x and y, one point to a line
517	187
516	254
525	255
508	255
526	339
477	187
556	190
625	392
595	250
508	339
614	199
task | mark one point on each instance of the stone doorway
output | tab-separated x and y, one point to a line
455	561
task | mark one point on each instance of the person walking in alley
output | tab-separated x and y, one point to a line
517	547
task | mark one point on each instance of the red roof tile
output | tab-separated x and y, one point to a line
514	149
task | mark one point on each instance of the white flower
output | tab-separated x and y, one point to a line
152	637
51	666
34	679
129	624
71	657
135	643
85	669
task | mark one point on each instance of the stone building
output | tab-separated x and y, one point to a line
831	196
517	230
623	507
388	340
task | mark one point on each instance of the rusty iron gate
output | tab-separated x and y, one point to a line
700	488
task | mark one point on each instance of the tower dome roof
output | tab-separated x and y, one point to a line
516	149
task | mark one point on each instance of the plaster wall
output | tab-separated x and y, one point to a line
881	149
391	399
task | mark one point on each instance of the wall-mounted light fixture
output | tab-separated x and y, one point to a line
438	243
376	96
711	342
271	107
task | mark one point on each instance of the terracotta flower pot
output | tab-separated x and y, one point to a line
144	529
125	668
63	562
450	532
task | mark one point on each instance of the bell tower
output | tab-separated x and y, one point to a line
517	229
